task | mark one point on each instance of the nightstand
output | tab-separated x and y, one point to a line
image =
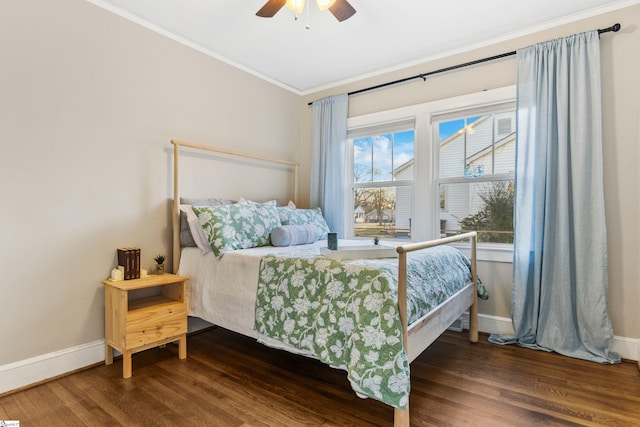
137	325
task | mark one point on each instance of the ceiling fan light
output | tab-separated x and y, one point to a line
296	5
325	4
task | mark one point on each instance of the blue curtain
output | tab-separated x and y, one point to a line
559	300
328	159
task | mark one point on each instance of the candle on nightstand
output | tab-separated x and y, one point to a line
116	274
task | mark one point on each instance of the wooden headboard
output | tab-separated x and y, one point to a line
176	182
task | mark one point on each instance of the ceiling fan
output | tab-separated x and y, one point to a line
341	9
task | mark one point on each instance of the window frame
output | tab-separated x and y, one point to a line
463	114
425	210
402	124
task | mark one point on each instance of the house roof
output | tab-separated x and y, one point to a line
403	167
487	150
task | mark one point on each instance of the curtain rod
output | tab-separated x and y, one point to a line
614	28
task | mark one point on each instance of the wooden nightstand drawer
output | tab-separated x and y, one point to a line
155	323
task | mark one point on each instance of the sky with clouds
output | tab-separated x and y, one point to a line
384	153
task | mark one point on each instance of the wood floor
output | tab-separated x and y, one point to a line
229	380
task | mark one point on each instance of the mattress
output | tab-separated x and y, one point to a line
231	302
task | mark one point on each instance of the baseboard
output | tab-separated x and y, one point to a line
40	368
627	348
490	324
36	369
23	373
495	325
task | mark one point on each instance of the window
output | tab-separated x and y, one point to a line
476	164
417	171
381	181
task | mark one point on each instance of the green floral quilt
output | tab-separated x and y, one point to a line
345	313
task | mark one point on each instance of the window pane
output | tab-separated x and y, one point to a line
385	157
403	155
446	129
505	145
485	207
362	171
477	146
452	148
383	212
382	156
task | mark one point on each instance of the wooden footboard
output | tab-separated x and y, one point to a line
423	332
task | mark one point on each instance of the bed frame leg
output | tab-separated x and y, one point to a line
473	310
473	323
401	417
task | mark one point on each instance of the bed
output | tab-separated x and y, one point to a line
367	303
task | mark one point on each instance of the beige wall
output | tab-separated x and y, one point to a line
621	139
88	104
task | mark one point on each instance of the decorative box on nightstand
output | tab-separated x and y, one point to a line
137	325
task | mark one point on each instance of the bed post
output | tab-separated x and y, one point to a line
401	416
296	168
473	310
175	210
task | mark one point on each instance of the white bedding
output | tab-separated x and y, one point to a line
223	291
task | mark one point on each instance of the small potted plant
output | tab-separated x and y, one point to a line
159	259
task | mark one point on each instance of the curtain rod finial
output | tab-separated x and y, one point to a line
614	29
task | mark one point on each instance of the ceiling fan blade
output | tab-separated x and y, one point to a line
342	10
270	8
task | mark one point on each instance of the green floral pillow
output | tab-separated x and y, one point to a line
231	227
304	216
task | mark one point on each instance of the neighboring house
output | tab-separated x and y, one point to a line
359	215
387	216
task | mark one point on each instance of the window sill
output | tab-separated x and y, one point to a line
486	252
495	252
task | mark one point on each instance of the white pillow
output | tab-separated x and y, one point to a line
243	201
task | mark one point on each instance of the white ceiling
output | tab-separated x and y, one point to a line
383	35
